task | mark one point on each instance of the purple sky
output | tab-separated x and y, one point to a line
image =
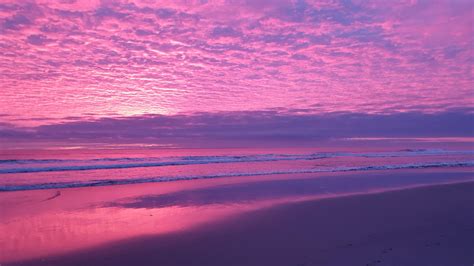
177	73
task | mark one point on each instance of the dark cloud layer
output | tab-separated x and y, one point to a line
248	128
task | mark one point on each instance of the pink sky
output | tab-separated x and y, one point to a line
70	61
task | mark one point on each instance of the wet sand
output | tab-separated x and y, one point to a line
420	226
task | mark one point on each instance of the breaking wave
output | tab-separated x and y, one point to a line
110	182
53	165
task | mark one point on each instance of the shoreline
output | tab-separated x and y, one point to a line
151	180
428	225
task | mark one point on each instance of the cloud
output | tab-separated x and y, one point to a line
37	39
248	128
15	22
224	32
169	57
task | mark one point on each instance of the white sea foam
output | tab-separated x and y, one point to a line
109	182
52	165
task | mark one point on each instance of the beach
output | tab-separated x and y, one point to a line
412	225
236	133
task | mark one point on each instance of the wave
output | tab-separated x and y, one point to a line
110	182
142	162
36	165
14	161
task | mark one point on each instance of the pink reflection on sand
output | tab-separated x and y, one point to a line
59	232
32	226
43	228
37	224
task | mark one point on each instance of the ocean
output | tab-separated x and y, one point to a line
55	169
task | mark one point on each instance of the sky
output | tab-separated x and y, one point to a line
177	72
